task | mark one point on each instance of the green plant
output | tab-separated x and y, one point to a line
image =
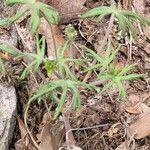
66	88
36	58
37	10
62	87
62	62
107	71
6	49
67	81
125	18
102	61
115	76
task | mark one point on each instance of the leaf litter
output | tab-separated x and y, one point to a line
106	110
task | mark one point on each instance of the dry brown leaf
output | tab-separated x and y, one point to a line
132	109
67	9
123	146
23	130
144	108
113	130
52	32
24	142
75	148
146	31
4	56
49	136
139	6
141	127
80	111
135	104
138	108
130	105
47	139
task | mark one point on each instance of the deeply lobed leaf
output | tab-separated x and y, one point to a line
124	17
37	9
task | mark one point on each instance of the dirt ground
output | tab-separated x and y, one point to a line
103	121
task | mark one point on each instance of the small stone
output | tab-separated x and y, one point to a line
8	103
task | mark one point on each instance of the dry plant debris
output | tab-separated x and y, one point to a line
103	122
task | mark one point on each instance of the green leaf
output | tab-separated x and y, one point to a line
76	103
49	13
131	14
124	17
120	88
126	69
95	56
68	73
34	20
132	76
106	87
42	91
97	11
49	66
93	67
12	2
37	10
8	50
122	23
61	102
27	70
36	58
70	32
8	21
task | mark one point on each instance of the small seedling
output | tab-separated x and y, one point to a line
125	18
116	76
37	10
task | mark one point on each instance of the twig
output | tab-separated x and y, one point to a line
99	82
70	141
102	46
26	115
87	128
25	122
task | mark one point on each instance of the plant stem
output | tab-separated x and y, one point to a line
102	46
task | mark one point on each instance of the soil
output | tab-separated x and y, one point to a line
102	122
